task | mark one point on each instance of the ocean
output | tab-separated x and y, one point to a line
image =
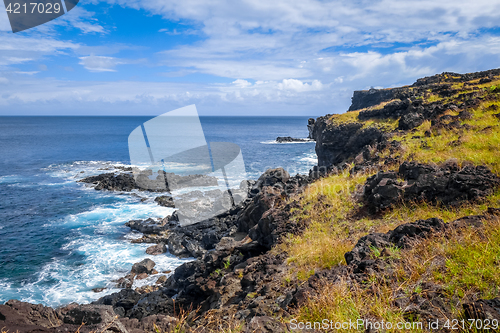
59	238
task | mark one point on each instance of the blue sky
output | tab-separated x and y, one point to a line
253	57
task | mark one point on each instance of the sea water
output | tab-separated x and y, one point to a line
59	238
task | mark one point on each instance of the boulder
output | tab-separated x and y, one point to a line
363	248
121	301
175	246
25	317
165	201
145	266
410	121
383	190
447	184
148	226
401	237
273	177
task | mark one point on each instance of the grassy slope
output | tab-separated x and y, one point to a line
471	258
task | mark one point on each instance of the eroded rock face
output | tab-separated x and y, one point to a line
336	144
149	226
447	184
310	128
366	98
483	309
17	315
231	271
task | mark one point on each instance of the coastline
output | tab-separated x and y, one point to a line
374	221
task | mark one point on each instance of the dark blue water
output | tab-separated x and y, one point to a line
59	238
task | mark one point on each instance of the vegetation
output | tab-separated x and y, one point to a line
463	263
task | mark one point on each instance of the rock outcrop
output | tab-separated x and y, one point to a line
126	181
337	144
310	128
289	139
448	184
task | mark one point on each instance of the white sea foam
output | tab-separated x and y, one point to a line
106	256
10	179
82	169
117	214
310	158
97	236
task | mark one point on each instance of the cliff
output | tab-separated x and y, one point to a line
368	98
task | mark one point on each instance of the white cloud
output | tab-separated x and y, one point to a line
99	63
241	83
129	97
297	85
283	39
16	50
27	73
95	63
175	32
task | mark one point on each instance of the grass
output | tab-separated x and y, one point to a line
329	204
477	145
464	263
342	302
467	266
468	270
473	263
326	203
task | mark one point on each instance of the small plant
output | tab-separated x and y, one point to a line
227	263
304	275
376	252
217	272
495	89
418	289
251	295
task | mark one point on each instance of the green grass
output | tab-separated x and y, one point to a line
473	264
464	263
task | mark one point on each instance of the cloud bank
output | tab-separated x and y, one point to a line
283	57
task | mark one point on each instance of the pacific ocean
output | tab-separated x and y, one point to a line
60	238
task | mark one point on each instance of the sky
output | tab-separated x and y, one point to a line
242	58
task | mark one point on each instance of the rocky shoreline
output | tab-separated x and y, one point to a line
238	280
